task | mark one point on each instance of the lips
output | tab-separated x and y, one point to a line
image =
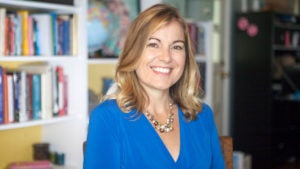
161	69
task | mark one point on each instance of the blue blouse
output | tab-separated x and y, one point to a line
118	140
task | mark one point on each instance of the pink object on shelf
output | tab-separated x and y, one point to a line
243	23
252	30
31	165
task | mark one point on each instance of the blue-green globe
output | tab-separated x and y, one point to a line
97	26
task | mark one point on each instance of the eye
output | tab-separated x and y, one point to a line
152	45
178	47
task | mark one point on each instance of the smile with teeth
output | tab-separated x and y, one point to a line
161	69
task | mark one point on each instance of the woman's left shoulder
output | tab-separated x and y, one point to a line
205	111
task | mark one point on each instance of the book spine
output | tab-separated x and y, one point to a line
54	32
18	35
22	100
12	34
31	165
17	91
1	96
65	88
5	97
10	89
25	32
2	30
29	96
36	96
60	82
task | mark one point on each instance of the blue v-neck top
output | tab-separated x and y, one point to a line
118	140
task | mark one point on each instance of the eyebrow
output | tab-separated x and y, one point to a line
176	41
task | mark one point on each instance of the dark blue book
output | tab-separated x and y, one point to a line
66	37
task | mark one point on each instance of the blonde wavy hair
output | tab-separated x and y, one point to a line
128	91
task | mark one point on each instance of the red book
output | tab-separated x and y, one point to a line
31	165
60	84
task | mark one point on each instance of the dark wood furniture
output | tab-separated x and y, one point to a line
266	111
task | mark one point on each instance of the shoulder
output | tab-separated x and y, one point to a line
106	109
206	115
206	111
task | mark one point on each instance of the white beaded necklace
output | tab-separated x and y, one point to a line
163	128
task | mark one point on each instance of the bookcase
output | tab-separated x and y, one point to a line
266	83
65	134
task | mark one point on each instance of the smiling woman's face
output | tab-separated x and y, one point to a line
163	59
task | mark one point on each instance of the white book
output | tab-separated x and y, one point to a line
10	89
44	33
45	70
22	100
2	30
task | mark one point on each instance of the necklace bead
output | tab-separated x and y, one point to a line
163	128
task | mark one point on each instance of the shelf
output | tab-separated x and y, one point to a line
37	58
35	122
103	60
32	5
287	26
284	48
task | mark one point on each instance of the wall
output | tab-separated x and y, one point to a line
16	144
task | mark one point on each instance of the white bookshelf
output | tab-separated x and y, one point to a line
207	58
67	133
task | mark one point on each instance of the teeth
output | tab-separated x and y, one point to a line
162	70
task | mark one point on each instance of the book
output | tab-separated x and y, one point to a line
54	32
65	95
63	2
73	35
24	32
17	95
45	70
1	96
5	97
60	89
43	33
29	95
2	30
23	116
10	97
36	96
43	164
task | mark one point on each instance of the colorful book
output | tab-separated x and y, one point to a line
43	34
54	32
60	89
24	32
36	96
45	70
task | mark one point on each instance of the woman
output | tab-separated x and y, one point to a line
154	119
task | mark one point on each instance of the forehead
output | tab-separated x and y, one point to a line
171	29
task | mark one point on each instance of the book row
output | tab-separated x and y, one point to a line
24	33
287	38
197	35
32	92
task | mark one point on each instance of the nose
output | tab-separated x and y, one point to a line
166	55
